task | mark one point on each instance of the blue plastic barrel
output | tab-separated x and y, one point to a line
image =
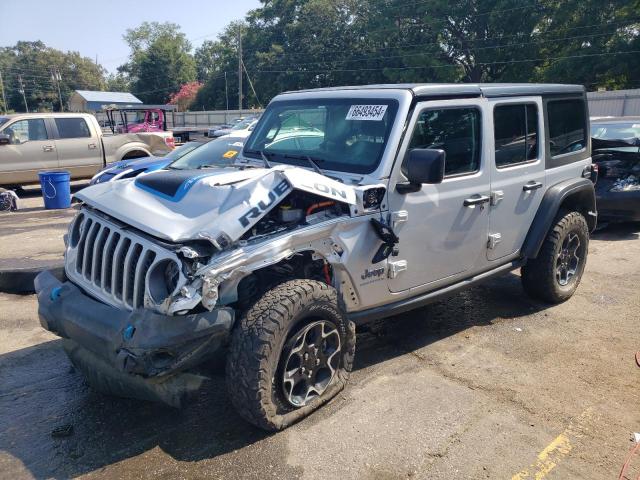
56	189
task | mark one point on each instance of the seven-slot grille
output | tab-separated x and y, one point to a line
109	261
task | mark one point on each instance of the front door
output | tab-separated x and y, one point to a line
518	174
78	147
31	149
443	228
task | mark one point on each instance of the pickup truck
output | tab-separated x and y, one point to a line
32	142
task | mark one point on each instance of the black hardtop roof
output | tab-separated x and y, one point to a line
466	89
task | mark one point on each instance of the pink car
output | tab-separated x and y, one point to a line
151	120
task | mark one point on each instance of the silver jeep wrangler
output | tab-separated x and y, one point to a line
346	205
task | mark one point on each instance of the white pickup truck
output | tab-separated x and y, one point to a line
33	142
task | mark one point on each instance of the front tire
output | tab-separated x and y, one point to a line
290	353
554	275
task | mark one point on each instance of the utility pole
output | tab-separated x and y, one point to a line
56	78
240	69
226	96
21	90
4	98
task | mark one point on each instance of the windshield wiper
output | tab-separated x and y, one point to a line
262	156
308	159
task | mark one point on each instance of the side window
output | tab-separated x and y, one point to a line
567	126
26	131
73	128
454	130
516	133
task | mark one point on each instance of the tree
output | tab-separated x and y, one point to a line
42	69
160	61
594	43
185	96
118	82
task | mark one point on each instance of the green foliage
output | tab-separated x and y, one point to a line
160	61
298	44
34	62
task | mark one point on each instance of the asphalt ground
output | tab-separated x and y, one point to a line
488	384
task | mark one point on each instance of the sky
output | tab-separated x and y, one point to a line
96	27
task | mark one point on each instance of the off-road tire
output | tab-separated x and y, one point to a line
257	343
539	274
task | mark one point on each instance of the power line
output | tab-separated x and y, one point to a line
450	66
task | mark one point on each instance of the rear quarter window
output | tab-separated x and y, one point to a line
567	126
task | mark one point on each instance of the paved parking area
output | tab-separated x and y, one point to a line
489	384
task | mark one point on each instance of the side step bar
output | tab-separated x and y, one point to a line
401	306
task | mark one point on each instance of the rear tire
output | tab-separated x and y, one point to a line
554	275
290	353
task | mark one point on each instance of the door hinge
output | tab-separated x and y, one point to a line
398	217
395	268
494	240
496	197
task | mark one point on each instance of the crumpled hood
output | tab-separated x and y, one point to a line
218	204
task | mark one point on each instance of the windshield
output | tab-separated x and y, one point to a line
243	124
343	134
615	131
216	153
182	150
3	120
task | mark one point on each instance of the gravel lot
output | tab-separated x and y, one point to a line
488	384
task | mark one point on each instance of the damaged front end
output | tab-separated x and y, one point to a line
618	186
153	284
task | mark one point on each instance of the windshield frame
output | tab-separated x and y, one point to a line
394	105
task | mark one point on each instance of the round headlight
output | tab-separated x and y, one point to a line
163	280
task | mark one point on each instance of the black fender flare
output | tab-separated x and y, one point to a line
576	193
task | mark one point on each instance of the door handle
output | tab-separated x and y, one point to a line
47	148
92	146
476	200
531	186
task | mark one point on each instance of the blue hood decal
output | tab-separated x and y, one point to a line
171	185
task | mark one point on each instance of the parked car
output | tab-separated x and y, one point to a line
219	152
134	167
32	142
242	128
229	124
616	151
415	192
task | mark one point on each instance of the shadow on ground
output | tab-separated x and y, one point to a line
618	231
40	390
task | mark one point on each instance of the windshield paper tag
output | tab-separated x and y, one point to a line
367	112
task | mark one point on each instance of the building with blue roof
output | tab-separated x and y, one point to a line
90	101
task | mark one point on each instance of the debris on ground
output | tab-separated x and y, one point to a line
8	200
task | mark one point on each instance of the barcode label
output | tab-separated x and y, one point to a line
366	112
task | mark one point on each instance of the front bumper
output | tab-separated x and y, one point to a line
141	345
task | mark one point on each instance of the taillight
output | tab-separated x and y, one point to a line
594	172
591	172
170	142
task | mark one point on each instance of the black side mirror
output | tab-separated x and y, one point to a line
423	165
4	139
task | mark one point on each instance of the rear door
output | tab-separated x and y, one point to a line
31	149
78	146
518	173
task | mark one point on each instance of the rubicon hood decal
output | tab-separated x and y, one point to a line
219	204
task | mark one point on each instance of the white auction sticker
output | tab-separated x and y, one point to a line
367	112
